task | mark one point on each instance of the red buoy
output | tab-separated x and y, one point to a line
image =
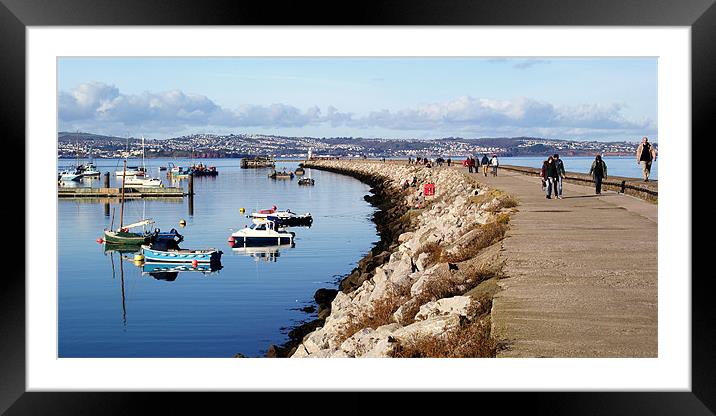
231	239
194	263
100	241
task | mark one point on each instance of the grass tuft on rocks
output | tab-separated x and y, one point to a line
489	234
471	340
435	253
381	313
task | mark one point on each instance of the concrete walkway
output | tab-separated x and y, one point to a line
581	273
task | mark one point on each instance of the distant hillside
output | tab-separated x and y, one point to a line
65	136
232	146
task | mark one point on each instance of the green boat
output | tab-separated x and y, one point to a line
122	235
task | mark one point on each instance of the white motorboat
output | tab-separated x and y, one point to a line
89	170
132	171
135	182
284	218
265	234
69	175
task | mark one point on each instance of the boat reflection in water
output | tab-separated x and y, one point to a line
265	253
170	271
110	248
120	250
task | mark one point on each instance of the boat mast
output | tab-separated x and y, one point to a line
121	206
143	167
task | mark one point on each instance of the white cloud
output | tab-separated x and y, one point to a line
98	107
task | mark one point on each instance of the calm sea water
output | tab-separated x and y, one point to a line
109	308
616	165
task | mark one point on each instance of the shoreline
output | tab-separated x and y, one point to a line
428	280
388	209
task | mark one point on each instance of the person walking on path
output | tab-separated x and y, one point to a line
598	172
485	162
449	161
550	176
559	165
494	163
470	164
645	154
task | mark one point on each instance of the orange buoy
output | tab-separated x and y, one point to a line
194	263
100	241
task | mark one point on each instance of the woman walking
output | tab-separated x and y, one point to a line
598	172
494	163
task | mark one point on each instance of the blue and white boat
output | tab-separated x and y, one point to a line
166	250
266	233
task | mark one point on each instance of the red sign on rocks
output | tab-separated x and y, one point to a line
429	189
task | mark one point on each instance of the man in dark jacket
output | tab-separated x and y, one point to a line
485	162
598	172
560	175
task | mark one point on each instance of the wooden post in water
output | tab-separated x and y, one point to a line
106	209
106	179
191	194
121	206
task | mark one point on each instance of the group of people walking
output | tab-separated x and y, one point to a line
553	169
473	164
553	172
553	175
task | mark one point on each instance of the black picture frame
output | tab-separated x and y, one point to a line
16	15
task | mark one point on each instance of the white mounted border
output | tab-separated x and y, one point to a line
670	371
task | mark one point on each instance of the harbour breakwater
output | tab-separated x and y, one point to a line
425	289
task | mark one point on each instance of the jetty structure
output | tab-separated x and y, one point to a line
257	162
105	191
487	267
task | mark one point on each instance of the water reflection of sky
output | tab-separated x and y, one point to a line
243	307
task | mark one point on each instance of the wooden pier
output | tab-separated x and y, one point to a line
129	193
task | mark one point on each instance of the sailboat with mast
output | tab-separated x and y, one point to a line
89	170
142	182
130	171
122	235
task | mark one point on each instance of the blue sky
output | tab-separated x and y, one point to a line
563	98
